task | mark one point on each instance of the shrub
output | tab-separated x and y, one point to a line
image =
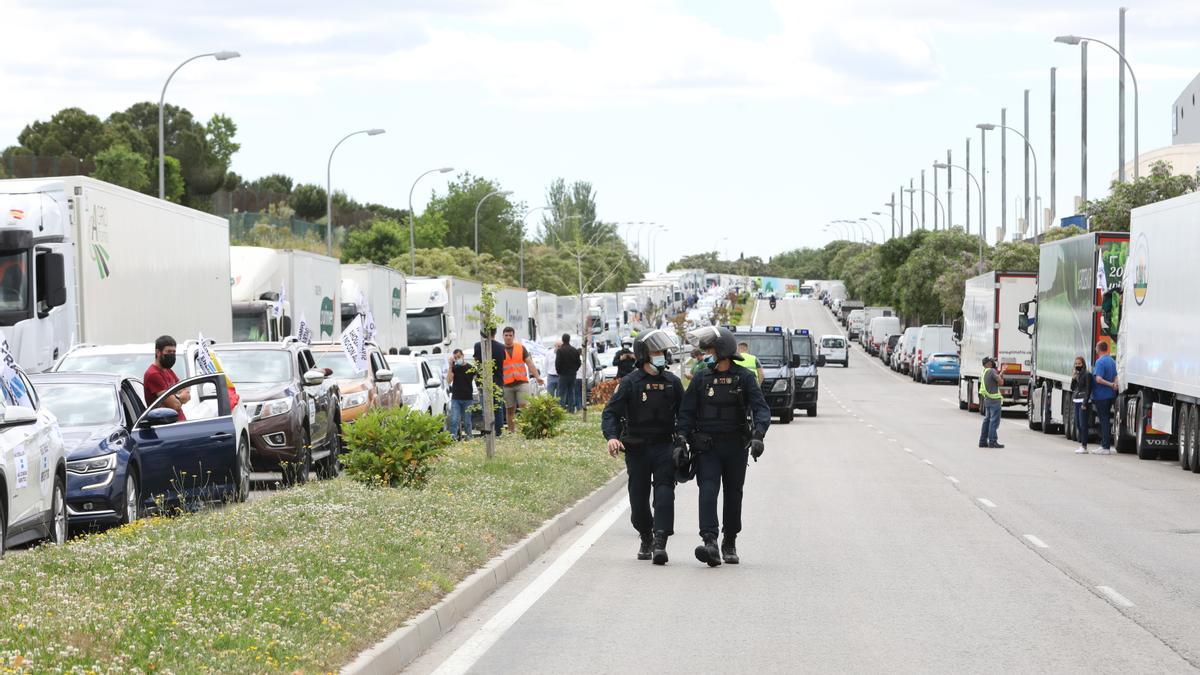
603	391
542	417
394	447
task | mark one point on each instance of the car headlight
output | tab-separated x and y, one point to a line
279	406
808	383
780	385
93	464
354	400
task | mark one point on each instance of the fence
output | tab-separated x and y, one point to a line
32	166
229	202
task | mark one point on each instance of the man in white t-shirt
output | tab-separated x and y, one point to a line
551	370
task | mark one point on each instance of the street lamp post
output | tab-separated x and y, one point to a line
882	232
982	228
162	158
1037	216
864	232
651	238
494	193
329	186
412	228
1074	40
936	200
880	214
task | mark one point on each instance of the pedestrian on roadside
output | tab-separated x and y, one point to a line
567	362
640	421
724	418
750	361
518	369
696	364
991	402
550	369
160	377
624	359
497	376
1104	392
462	396
1081	396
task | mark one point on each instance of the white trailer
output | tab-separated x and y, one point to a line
307	283
543	315
1158	363
382	291
84	261
990	328
512	306
441	314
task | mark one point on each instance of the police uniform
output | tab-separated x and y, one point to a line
721	412
641	414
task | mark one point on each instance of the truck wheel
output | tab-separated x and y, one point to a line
1143	452
1033	410
1194	434
962	404
812	412
1069	421
1048	427
1185	436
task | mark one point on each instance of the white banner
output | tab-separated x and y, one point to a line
204	361
354	344
277	309
8	373
303	332
369	325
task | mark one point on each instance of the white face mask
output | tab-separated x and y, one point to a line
659	361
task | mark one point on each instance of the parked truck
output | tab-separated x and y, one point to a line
512	306
441	313
542	308
1078	304
305	284
1158	372
381	291
84	261
989	328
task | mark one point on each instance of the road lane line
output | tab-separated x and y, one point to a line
908	449
946	400
465	657
927	462
892	440
952	479
1116	598
987	502
1036	542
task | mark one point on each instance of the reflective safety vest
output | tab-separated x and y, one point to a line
983	392
515	370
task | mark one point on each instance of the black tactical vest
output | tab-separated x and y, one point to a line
650	412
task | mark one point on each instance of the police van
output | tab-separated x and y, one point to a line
773	349
804	371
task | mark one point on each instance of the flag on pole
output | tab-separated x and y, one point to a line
303	332
11	380
207	363
354	344
277	308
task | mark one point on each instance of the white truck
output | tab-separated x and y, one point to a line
989	328
441	313
543	315
512	306
382	291
307	284
83	261
877	331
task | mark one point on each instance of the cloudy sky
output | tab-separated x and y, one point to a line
743	126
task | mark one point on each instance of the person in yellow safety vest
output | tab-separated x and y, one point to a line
518	367
990	403
750	361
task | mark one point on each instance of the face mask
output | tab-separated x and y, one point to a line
710	360
659	362
167	361
459	362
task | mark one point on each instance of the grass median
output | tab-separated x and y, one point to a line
302	581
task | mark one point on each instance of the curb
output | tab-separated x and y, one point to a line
404	645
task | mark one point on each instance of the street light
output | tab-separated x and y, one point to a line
412	229
329	185
845	233
494	193
979	189
1074	40
893	217
654	233
524	224
162	158
936	201
1037	217
882	232
870	234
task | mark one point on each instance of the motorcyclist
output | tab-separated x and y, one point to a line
772	301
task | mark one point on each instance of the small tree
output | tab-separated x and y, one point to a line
383	240
486	367
1112	212
308	200
120	165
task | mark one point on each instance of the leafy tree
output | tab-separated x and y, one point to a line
937	252
572	214
69	132
308	200
457	261
220	132
174	182
121	166
1057	233
499	225
949	287
1112	212
1015	256
278	183
384	240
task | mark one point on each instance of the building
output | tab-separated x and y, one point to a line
1184	152
1185	120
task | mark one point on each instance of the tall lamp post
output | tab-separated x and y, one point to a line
329	185
494	193
1037	217
412	227
162	158
978	188
1074	40
882	232
652	237
936	200
844	233
864	232
881	214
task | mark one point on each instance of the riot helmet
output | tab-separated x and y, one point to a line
652	341
717	338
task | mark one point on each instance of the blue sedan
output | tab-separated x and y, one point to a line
943	367
124	459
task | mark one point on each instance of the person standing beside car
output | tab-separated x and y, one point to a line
1081	396
1103	393
462	396
160	377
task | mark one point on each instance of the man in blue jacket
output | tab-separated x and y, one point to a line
1103	394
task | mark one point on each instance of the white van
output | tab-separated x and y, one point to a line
904	349
931	340
854	323
835	350
878	331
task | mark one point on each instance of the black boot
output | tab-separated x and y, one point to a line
647	548
660	548
707	552
729	549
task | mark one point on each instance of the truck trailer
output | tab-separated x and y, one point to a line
381	291
989	328
305	284
84	261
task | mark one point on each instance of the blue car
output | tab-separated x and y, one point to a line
124	459
940	367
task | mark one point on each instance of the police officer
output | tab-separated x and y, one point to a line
724	417
640	419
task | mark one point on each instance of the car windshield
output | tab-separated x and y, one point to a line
80	405
833	343
256	366
404	373
425	330
250	326
125	365
338	363
945	358
802	346
769	349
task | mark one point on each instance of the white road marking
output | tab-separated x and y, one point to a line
908	449
1116	598
987	502
952	479
1036	542
465	657
891	440
927	462
946	400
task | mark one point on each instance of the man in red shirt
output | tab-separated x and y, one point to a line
159	377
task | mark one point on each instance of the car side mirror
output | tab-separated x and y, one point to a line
383	375
16	415
314	377
820	360
159	417
795	360
958	329
432	383
1023	323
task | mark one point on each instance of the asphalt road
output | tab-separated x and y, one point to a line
877	537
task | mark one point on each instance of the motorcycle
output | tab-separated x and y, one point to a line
772	303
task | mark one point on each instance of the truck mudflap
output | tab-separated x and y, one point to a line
1015	390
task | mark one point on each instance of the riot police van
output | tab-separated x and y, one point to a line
773	349
804	371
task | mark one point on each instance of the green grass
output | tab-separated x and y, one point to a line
301	581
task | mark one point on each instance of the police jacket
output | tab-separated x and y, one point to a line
644	408
720	403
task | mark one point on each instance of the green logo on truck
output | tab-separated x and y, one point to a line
397	303
326	317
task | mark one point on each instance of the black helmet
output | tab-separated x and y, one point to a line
685	463
716	337
652	341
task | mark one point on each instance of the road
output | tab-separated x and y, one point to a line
878	536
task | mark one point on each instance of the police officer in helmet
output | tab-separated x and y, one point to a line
640	420
724	417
